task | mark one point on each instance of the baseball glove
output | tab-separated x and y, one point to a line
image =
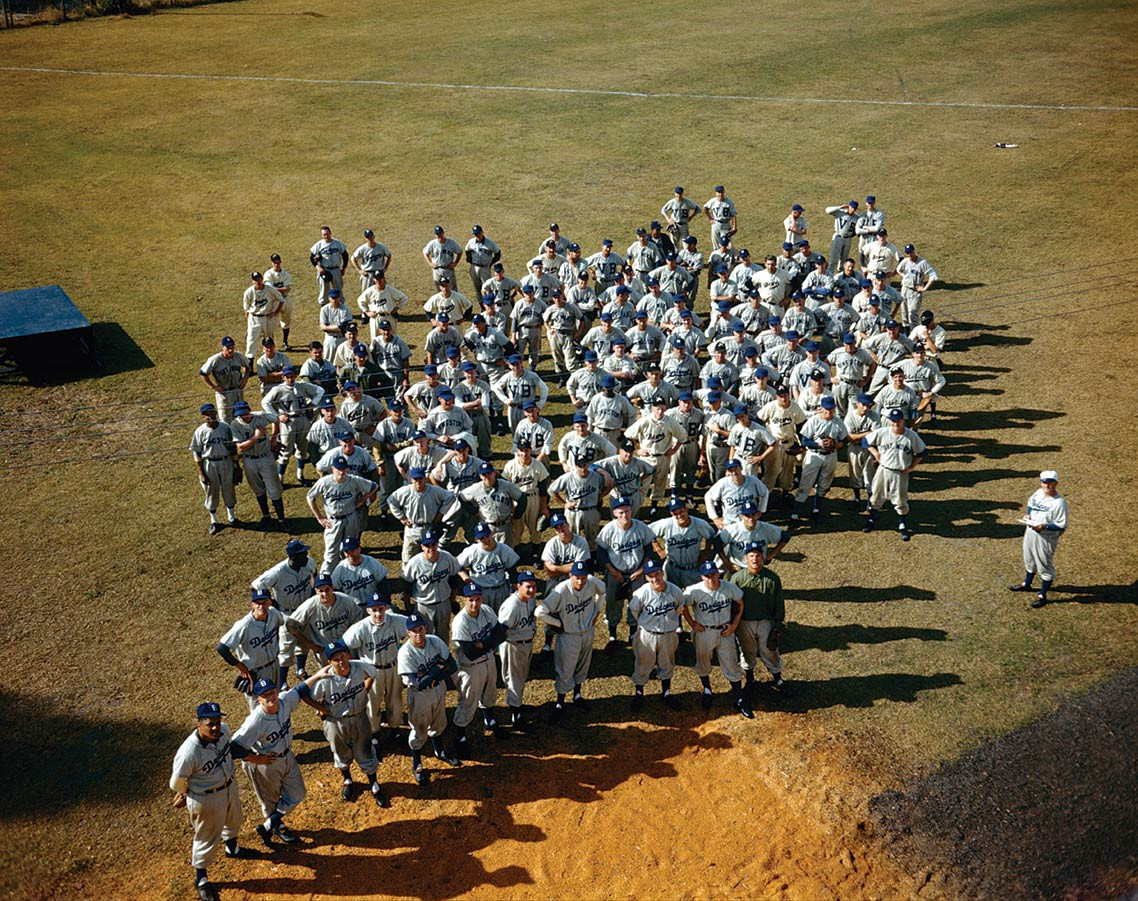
774	638
828	445
238	474
243	685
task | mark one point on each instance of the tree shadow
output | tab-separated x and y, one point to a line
90	748
435	856
843	637
861	691
1094	594
856	594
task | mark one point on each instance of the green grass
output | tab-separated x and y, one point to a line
150	200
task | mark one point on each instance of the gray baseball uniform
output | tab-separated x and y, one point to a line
346	724
575	612
657	616
379	646
203	771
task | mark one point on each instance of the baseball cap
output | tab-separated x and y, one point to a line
486	469
652	566
527	289
909	248
686	395
557	519
879	274
798	208
892	323
782	389
686	314
621	501
926	317
1049	475
828	403
786	245
574	246
530	404
749	508
335	292
378	600
443	317
525	576
476	230
754	547
895	415
761	372
241	407
803	243
263	687
339	462
523	445
874	300
417	472
622	289
396	404
641	314
255	276
514	358
579	568
690	239
335	647
676	503
580	417
321	579
847	338
472	589
429	536
718	188
641	231
554	226
774	320
227	341
678	189
482	530
467	366
678	341
813	345
591	355
430	369
438	229
708	568
261	594
660	401
295	546
792	335
870	198
714	381
627	444
817	374
416	621
750	351
444	394
462	444
655	223
724	240
723	306
345	435
733	463
739	409
607	242
368	233
607	381
713	396
208	710
744	252
865	283
351	543
864	398
384	325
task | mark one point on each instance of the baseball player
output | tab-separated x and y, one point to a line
609	413
503	290
317	370
931	335
472	395
605	265
290	405
692	261
764	612
689	460
441	339
202	782
882	256
446	423
643	255
517	386
782	417
659	438
736	537
543	280
795	224
561	552
370	259
342	697
869	225
364	414
418	506
579	492
655	607
322	618
278	277
854	367
582	444
560	242
623	548
269	364
724	218
1045	521
574	272
456	305
456	471
263	744
475	633
343	496
898	396
727	497
750	442
376	640
227	373
860	420
423	396
499	502
290	582
897	451
687	540
487	564
713	608
358	575
252	645
443	256
924	378
392	356
431	579
570	609
517	615
645	341
678	213
329	256
845	227
424	662
564	325
526	321
214	453
418	454
381	302
917	276
628	472
532	478
823	435
262	305
323	434
534	430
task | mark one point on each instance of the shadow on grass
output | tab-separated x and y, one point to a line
958	286
940	480
985	339
967	518
946	448
438	856
853	594
845	636
1094	594
994	420
858	691
55	759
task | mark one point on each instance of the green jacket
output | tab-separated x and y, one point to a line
762	594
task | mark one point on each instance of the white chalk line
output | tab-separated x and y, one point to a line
597	92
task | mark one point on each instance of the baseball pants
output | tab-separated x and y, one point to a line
331	342
890	485
289	646
514	415
482	434
278	785
493	596
839	250
615	602
349	738
342	527
285	313
459	518
586	523
529	339
1039	553
215	818
684	462
516	658
386	695
778	468
564	351
293	440
411	541
426	714
478	274
225	401
862	467
477	685
712	639
262	476
658	488
519	528
754	635
844	394
911	308
256	328
219	483
719	230
717	461
572	655
653	649
437	617
685	578
613	435
325	285
817	475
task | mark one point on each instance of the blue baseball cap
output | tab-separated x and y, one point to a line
525	576
429	536
557	519
798	208
619	340
579	568
591	355
241	407
351	543
733	463
462	444
607	381
208	710
530	404
761	372
472	589
295	546
327	403
676	503
754	547
580	417
339	462
749	508
690	239
321	579
813	345
378	600
724	306
652	566
486	469
640	314
607	242
774	320
792	335
895	414
864	398
263	686
207	409
345	435
750	351
708	568
396	404
621	501
713	396
417	472
416	621
678	341
739	409
514	358
228	341
335	647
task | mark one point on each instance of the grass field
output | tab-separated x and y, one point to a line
150	200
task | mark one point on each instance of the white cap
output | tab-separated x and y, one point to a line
1049	475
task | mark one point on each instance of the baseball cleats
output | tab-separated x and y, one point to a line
378	796
556	713
580	703
783	687
744	708
206	891
705	699
905	534
449	759
266	835
346	791
214	528
422	777
239	853
517	721
1038	601
869	524
1019	586
287	836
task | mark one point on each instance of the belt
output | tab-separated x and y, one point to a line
256	456
498	525
262	315
383	665
333	268
583	510
519	640
217	459
344	515
666	632
210	791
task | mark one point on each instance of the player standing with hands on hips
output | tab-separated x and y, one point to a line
1045	521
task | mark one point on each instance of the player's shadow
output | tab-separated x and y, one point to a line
1094	594
862	691
995	420
431	856
90	749
857	594
956	286
984	339
943	479
843	637
966	518
945	448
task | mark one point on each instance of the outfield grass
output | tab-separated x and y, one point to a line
150	200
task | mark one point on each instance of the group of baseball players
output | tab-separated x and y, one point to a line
797	357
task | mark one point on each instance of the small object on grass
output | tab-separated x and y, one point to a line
1004	145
